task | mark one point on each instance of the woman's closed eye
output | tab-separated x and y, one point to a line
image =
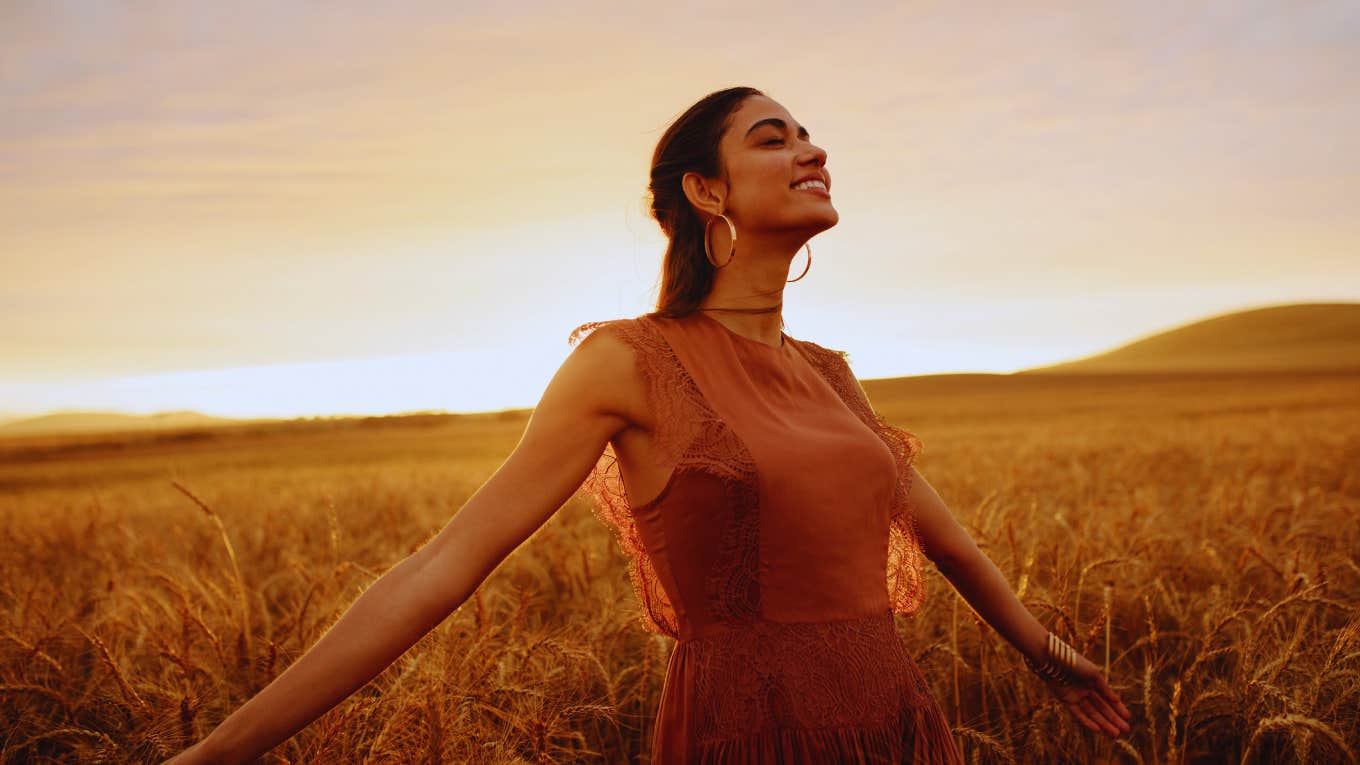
774	140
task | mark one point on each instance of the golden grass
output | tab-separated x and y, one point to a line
1198	535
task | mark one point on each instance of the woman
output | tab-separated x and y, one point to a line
783	522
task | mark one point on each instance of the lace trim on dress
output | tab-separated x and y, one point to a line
689	437
905	578
920	736
841	691
850	674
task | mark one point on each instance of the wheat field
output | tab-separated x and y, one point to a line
1196	534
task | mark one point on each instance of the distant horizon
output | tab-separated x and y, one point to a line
411	383
311	375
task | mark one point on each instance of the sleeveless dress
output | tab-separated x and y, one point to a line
775	555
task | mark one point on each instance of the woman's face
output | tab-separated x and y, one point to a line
767	153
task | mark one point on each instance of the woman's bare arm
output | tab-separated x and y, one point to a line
972	573
982	584
583	406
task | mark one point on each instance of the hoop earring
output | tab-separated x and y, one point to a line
732	229
808	246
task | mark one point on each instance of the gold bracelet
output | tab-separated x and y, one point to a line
1060	663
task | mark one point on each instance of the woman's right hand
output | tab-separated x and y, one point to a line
1091	700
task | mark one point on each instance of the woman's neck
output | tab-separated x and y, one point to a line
758	318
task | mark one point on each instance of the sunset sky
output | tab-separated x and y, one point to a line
277	209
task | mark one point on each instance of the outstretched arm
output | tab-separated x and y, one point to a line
577	415
387	619
953	551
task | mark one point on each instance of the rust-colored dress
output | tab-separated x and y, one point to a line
776	554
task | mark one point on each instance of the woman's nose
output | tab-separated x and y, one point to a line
818	154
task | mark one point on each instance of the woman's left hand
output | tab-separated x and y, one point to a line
1091	700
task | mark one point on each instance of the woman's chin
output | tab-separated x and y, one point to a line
827	221
812	224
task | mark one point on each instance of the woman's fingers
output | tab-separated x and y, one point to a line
1113	699
1082	717
1092	710
1087	719
1093	702
1120	725
1107	712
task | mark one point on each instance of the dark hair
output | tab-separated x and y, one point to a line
689	144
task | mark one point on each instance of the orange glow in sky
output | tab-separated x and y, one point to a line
256	209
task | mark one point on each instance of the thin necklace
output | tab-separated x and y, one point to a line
769	309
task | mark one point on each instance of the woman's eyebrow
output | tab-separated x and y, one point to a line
781	124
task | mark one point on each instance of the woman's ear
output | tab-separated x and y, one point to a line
705	194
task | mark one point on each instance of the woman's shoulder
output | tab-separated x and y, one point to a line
613	343
607	354
641	334
833	364
620	328
828	360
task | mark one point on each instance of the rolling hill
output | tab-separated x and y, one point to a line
93	422
1285	338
